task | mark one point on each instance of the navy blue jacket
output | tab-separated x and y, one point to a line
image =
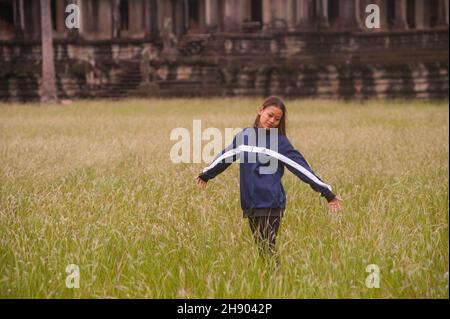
263	156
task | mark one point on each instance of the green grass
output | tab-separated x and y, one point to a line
92	184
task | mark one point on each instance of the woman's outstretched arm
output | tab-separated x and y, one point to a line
220	163
298	165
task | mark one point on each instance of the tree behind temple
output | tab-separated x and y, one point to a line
48	86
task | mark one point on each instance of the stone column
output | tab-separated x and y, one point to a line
115	19
137	18
31	19
291	12
322	14
232	16
400	15
150	18
61	17
202	16
422	15
304	14
180	18
164	8
147	17
86	14
349	15
282	16
154	19
19	20
211	15
442	20
268	10
277	14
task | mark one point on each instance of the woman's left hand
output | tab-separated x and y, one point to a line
200	182
335	204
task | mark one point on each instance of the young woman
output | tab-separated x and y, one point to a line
263	199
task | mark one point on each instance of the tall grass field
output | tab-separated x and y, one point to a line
92	184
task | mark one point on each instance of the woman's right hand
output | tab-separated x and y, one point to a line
335	204
200	182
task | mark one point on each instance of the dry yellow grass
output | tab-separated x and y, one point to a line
92	184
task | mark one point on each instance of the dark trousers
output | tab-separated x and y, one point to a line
265	229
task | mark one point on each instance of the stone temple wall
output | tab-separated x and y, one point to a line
328	65
227	59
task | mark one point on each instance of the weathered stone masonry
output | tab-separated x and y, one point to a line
302	48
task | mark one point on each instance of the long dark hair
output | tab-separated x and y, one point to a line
277	102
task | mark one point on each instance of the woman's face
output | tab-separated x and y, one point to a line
270	117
